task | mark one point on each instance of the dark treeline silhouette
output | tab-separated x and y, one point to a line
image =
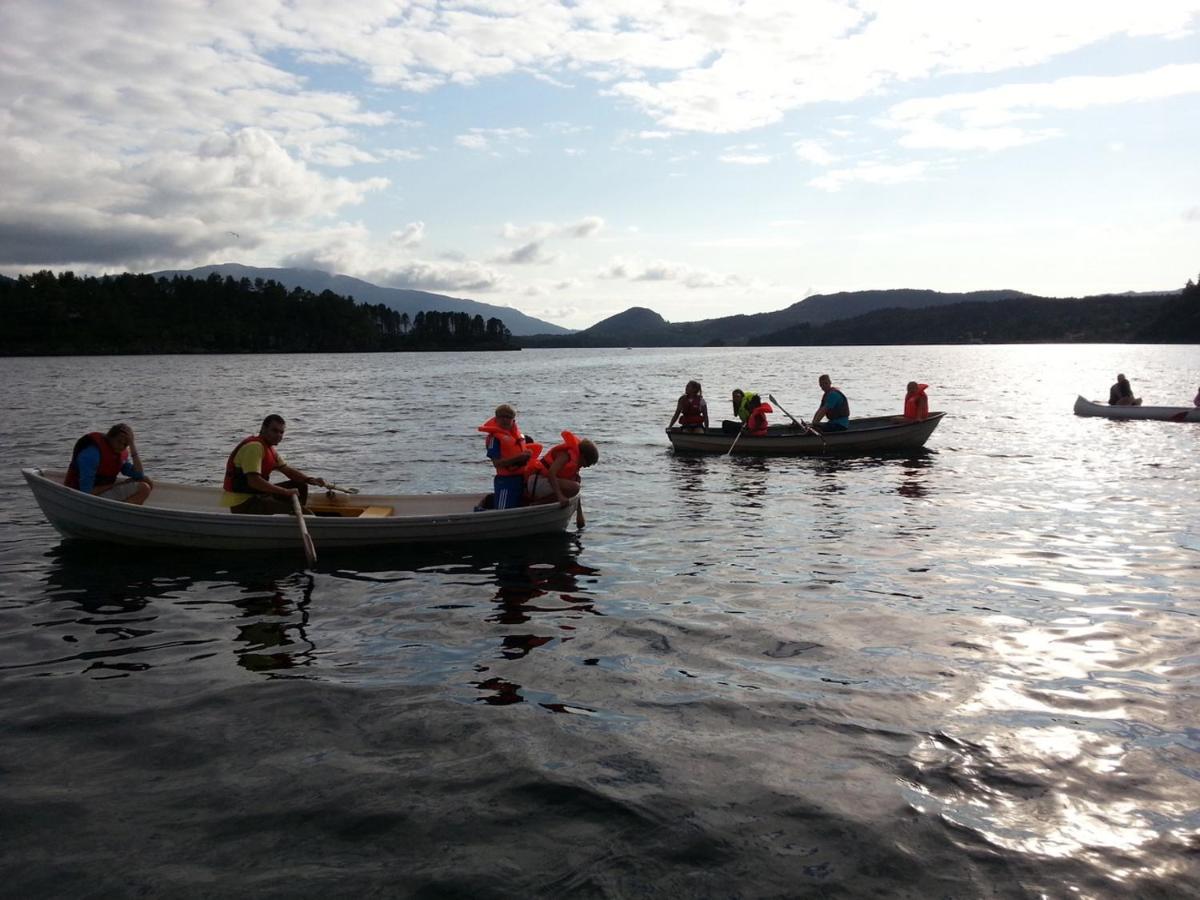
1109	319
47	314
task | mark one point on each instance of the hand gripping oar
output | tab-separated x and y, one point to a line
801	423
310	552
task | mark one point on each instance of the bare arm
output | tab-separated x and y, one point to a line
678	412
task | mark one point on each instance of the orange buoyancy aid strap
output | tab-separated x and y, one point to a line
916	404
512	442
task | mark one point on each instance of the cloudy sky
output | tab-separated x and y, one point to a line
579	157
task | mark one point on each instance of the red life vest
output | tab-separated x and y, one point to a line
110	460
235	479
512	442
916	405
569	469
693	410
757	423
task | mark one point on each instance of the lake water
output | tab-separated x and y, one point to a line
973	672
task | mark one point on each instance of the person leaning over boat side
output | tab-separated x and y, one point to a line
834	408
691	410
556	475
97	459
248	488
1121	393
756	425
916	404
741	409
510	453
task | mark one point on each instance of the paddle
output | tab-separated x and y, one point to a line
344	490
579	523
310	552
801	423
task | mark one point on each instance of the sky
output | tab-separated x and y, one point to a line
573	159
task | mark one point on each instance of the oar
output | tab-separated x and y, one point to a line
310	552
579	523
802	424
334	487
735	440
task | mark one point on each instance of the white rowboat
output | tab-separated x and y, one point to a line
180	515
1084	407
879	434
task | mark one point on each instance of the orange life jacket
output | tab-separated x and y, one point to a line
110	460
570	469
756	425
235	479
916	404
512	442
693	410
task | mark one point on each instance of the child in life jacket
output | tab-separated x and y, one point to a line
555	477
511	454
756	425
691	410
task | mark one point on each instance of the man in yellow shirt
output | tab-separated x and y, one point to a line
248	488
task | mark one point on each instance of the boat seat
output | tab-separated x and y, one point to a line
376	512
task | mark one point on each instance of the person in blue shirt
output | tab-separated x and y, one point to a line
97	459
834	408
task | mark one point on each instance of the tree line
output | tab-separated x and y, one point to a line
48	314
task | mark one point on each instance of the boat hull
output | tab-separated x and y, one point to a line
191	517
1085	407
882	434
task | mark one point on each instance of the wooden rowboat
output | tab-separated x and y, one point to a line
880	434
1084	407
180	515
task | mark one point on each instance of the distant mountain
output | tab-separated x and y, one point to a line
639	327
400	300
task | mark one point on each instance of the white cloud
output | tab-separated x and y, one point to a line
870	173
997	118
813	152
410	235
485	139
661	270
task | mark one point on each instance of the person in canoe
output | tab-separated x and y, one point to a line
248	488
1121	393
834	408
98	459
916	404
555	477
510	453
1196	402
756	424
691	410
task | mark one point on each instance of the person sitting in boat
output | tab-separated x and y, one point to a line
97	459
916	404
555	477
834	408
1121	393
756	425
691	410
741	409
1196	402
510	453
248	488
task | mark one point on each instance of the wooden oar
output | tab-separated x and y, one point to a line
310	552
334	487
579	522
801	424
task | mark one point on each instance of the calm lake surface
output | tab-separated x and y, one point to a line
973	672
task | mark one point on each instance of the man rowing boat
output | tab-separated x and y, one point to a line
248	488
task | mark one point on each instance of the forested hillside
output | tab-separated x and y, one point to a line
46	313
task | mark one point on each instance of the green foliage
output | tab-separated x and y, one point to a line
48	314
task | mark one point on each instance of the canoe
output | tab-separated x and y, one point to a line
1084	407
880	434
180	515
